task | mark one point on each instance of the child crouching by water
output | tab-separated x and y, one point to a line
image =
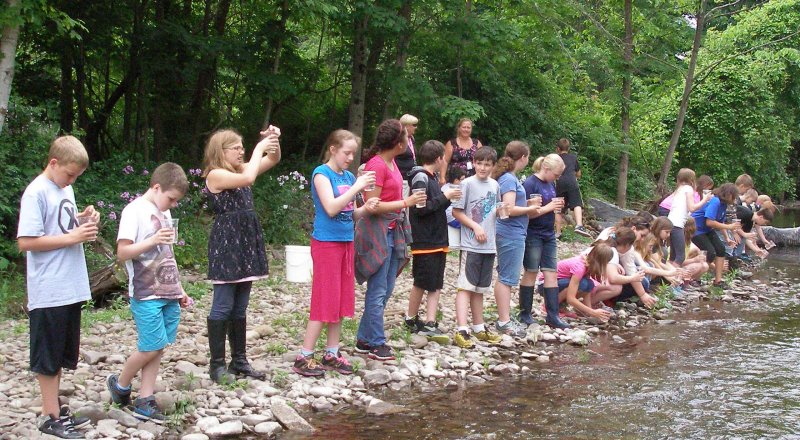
577	277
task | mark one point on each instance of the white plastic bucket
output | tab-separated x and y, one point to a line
298	264
454	237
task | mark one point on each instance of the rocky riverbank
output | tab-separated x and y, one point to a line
200	409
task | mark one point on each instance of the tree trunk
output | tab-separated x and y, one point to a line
402	53
358	83
277	63
661	187
8	51
459	61
622	179
67	101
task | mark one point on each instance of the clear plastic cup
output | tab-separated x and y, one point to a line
502	210
460	189
172	224
706	192
82	220
558	210
418	191
367	173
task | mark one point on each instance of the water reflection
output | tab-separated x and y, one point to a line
721	371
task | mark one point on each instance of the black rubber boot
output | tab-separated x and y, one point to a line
217	330
551	304
237	335
525	304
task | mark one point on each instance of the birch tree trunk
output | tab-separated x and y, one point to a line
8	51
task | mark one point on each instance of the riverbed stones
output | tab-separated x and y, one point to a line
289	418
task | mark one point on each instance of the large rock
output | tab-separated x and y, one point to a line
289	418
377	377
93	411
608	213
380	407
234	427
782	236
123	418
93	357
268	429
188	367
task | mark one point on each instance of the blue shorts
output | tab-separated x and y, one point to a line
156	322
540	254
509	260
586	285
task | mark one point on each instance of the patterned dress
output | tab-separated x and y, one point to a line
236	250
463	158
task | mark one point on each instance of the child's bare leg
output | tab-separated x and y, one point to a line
432	306
502	296
476	304
719	266
462	305
135	363
414	301
150	373
313	330
49	386
578	216
334	334
559	220
607	291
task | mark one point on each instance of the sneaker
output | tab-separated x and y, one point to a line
463	339
336	363
381	353
430	328
722	285
60	428
511	328
118	397
77	422
413	324
145	408
362	347
488	337
307	366
583	231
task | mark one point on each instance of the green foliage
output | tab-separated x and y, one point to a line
285	208
12	290
196	290
116	311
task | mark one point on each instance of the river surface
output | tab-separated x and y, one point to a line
721	371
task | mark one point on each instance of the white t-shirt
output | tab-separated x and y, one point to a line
58	277
680	209
153	274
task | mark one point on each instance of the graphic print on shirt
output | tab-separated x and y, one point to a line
346	215
480	209
67	216
155	272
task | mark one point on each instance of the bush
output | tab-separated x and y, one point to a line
285	208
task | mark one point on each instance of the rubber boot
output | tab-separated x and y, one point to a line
551	304
217	330
237	335
525	304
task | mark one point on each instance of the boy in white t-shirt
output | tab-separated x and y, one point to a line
51	232
144	243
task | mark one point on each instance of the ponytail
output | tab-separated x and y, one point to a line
515	150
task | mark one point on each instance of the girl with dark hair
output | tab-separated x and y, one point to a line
710	220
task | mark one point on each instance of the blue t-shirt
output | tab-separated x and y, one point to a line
544	225
512	227
714	210
340	226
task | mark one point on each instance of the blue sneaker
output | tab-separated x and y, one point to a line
146	409
118	396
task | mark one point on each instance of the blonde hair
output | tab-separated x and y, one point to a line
461	121
407	119
597	260
515	150
336	139
645	248
551	162
686	176
214	156
68	149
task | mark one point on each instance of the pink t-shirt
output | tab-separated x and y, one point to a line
390	181
575	266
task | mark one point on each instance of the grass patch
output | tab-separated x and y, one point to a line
663	295
117	310
196	289
276	348
569	235
12	290
280	378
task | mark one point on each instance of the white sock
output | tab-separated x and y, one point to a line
478	328
502	323
463	328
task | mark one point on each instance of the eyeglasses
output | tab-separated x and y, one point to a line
239	148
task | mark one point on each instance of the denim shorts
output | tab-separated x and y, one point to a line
586	285
540	254
156	322
509	260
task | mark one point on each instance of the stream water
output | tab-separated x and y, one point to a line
721	370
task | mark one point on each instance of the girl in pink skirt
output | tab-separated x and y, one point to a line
333	191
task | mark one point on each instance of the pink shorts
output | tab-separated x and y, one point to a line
333	287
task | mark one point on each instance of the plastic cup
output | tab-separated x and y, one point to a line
367	173
172	224
460	189
419	191
535	196
82	220
502	210
558	210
